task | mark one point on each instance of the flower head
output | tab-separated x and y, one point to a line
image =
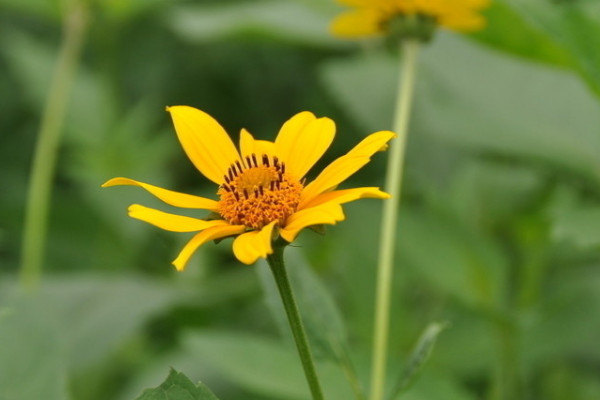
408	17
261	188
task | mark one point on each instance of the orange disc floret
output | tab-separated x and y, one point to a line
258	192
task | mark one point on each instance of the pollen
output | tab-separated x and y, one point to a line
258	191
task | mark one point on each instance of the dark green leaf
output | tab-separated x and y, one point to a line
573	25
177	386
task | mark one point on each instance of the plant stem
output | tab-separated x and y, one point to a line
277	265
44	160
389	217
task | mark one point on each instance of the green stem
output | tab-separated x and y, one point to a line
44	160
277	265
389	217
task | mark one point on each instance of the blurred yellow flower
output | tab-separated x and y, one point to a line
377	17
262	191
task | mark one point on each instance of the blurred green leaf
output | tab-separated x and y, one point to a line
508	31
418	358
283	20
581	226
93	309
454	259
574	25
50	9
433	386
251	362
473	97
32	353
320	315
177	386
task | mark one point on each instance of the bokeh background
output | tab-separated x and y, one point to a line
499	230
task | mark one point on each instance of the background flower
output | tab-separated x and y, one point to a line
375	17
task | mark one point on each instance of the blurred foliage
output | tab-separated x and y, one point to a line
499	229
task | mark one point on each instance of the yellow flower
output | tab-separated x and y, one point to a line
261	188
375	17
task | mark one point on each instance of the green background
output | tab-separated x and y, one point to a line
499	232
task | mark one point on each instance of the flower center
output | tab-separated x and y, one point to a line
257	192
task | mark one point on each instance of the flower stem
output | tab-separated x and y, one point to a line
44	160
389	217
277	265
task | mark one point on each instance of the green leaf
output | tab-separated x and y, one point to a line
516	113
418	358
319	312
573	25
454	259
577	223
99	310
177	386
508	31
32	354
262	366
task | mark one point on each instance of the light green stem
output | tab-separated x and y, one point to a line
277	265
44	160
393	185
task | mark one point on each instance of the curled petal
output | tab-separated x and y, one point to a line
204	141
176	199
342	168
216	232
253	245
170	222
326	213
346	196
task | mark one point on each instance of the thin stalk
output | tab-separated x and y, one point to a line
277	265
389	217
44	159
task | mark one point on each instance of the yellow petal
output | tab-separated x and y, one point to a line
176	199
346	196
253	245
362	22
327	213
342	168
372	144
302	141
249	145
170	222
214	233
204	141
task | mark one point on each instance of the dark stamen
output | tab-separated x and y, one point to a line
227	179
261	190
283	168
254	159
275	161
265	160
256	193
272	185
248	161
239	165
231	173
245	193
237	196
226	188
